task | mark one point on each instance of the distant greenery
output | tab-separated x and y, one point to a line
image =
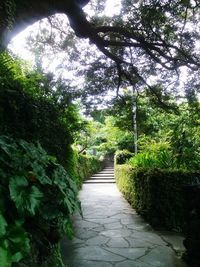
104	137
166	137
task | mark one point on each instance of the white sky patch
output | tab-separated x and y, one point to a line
18	45
112	8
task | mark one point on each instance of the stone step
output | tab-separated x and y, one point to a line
102	175
101	178
106	176
107	171
100	181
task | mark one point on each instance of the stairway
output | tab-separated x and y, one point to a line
106	176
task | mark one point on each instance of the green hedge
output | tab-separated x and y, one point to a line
81	167
156	194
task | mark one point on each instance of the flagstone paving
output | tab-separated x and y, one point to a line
111	234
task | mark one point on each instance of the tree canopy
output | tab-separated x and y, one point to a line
148	37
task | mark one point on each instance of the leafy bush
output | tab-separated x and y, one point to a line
156	194
121	156
126	142
185	139
82	166
154	155
36	202
87	165
162	159
31	110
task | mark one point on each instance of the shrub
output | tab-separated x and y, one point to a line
82	166
126	142
36	202
154	154
121	156
161	159
31	110
156	194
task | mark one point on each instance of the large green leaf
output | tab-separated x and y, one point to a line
27	198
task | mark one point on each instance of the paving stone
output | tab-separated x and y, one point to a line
99	229
83	234
149	237
104	220
139	227
95	253
117	233
129	263
117	242
97	240
124	216
129	253
85	263
138	243
174	239
160	257
90	264
129	211
130	219
113	226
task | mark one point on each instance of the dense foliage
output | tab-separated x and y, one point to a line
38	123
33	110
157	194
81	166
37	200
172	140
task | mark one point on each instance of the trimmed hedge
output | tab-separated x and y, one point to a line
81	167
192	241
156	194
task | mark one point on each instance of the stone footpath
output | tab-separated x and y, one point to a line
111	234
